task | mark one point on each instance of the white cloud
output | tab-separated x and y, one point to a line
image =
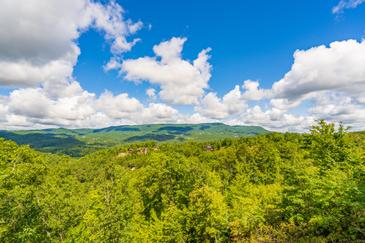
34	107
285	104
252	91
211	106
3	110
158	113
120	106
113	64
337	106
25	73
39	48
215	108
170	51
332	78
39	44
195	118
181	82
17	122
323	83
29	102
273	119
109	18
337	67
38	107
234	109
151	93
346	4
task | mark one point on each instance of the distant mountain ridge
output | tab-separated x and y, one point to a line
76	142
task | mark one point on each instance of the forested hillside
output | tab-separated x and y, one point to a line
273	187
79	142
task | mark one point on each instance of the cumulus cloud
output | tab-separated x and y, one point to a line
34	107
120	106
346	4
195	118
38	51
181	81
324	82
39	44
234	108
158	113
337	106
252	91
25	72
216	108
3	109
333	80
337	67
274	119
232	103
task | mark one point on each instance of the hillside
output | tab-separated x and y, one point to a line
268	188
77	142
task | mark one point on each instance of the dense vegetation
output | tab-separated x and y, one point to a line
79	142
273	187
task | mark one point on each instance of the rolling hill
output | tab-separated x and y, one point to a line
77	142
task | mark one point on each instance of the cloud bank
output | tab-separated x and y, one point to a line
329	81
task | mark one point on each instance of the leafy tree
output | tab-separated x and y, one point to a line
269	188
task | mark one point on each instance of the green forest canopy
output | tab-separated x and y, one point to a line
273	187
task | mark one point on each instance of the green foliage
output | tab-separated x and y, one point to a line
269	188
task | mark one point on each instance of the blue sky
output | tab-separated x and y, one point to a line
249	39
278	64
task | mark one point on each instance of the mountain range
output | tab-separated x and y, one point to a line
77	142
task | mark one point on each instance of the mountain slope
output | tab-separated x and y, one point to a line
77	142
